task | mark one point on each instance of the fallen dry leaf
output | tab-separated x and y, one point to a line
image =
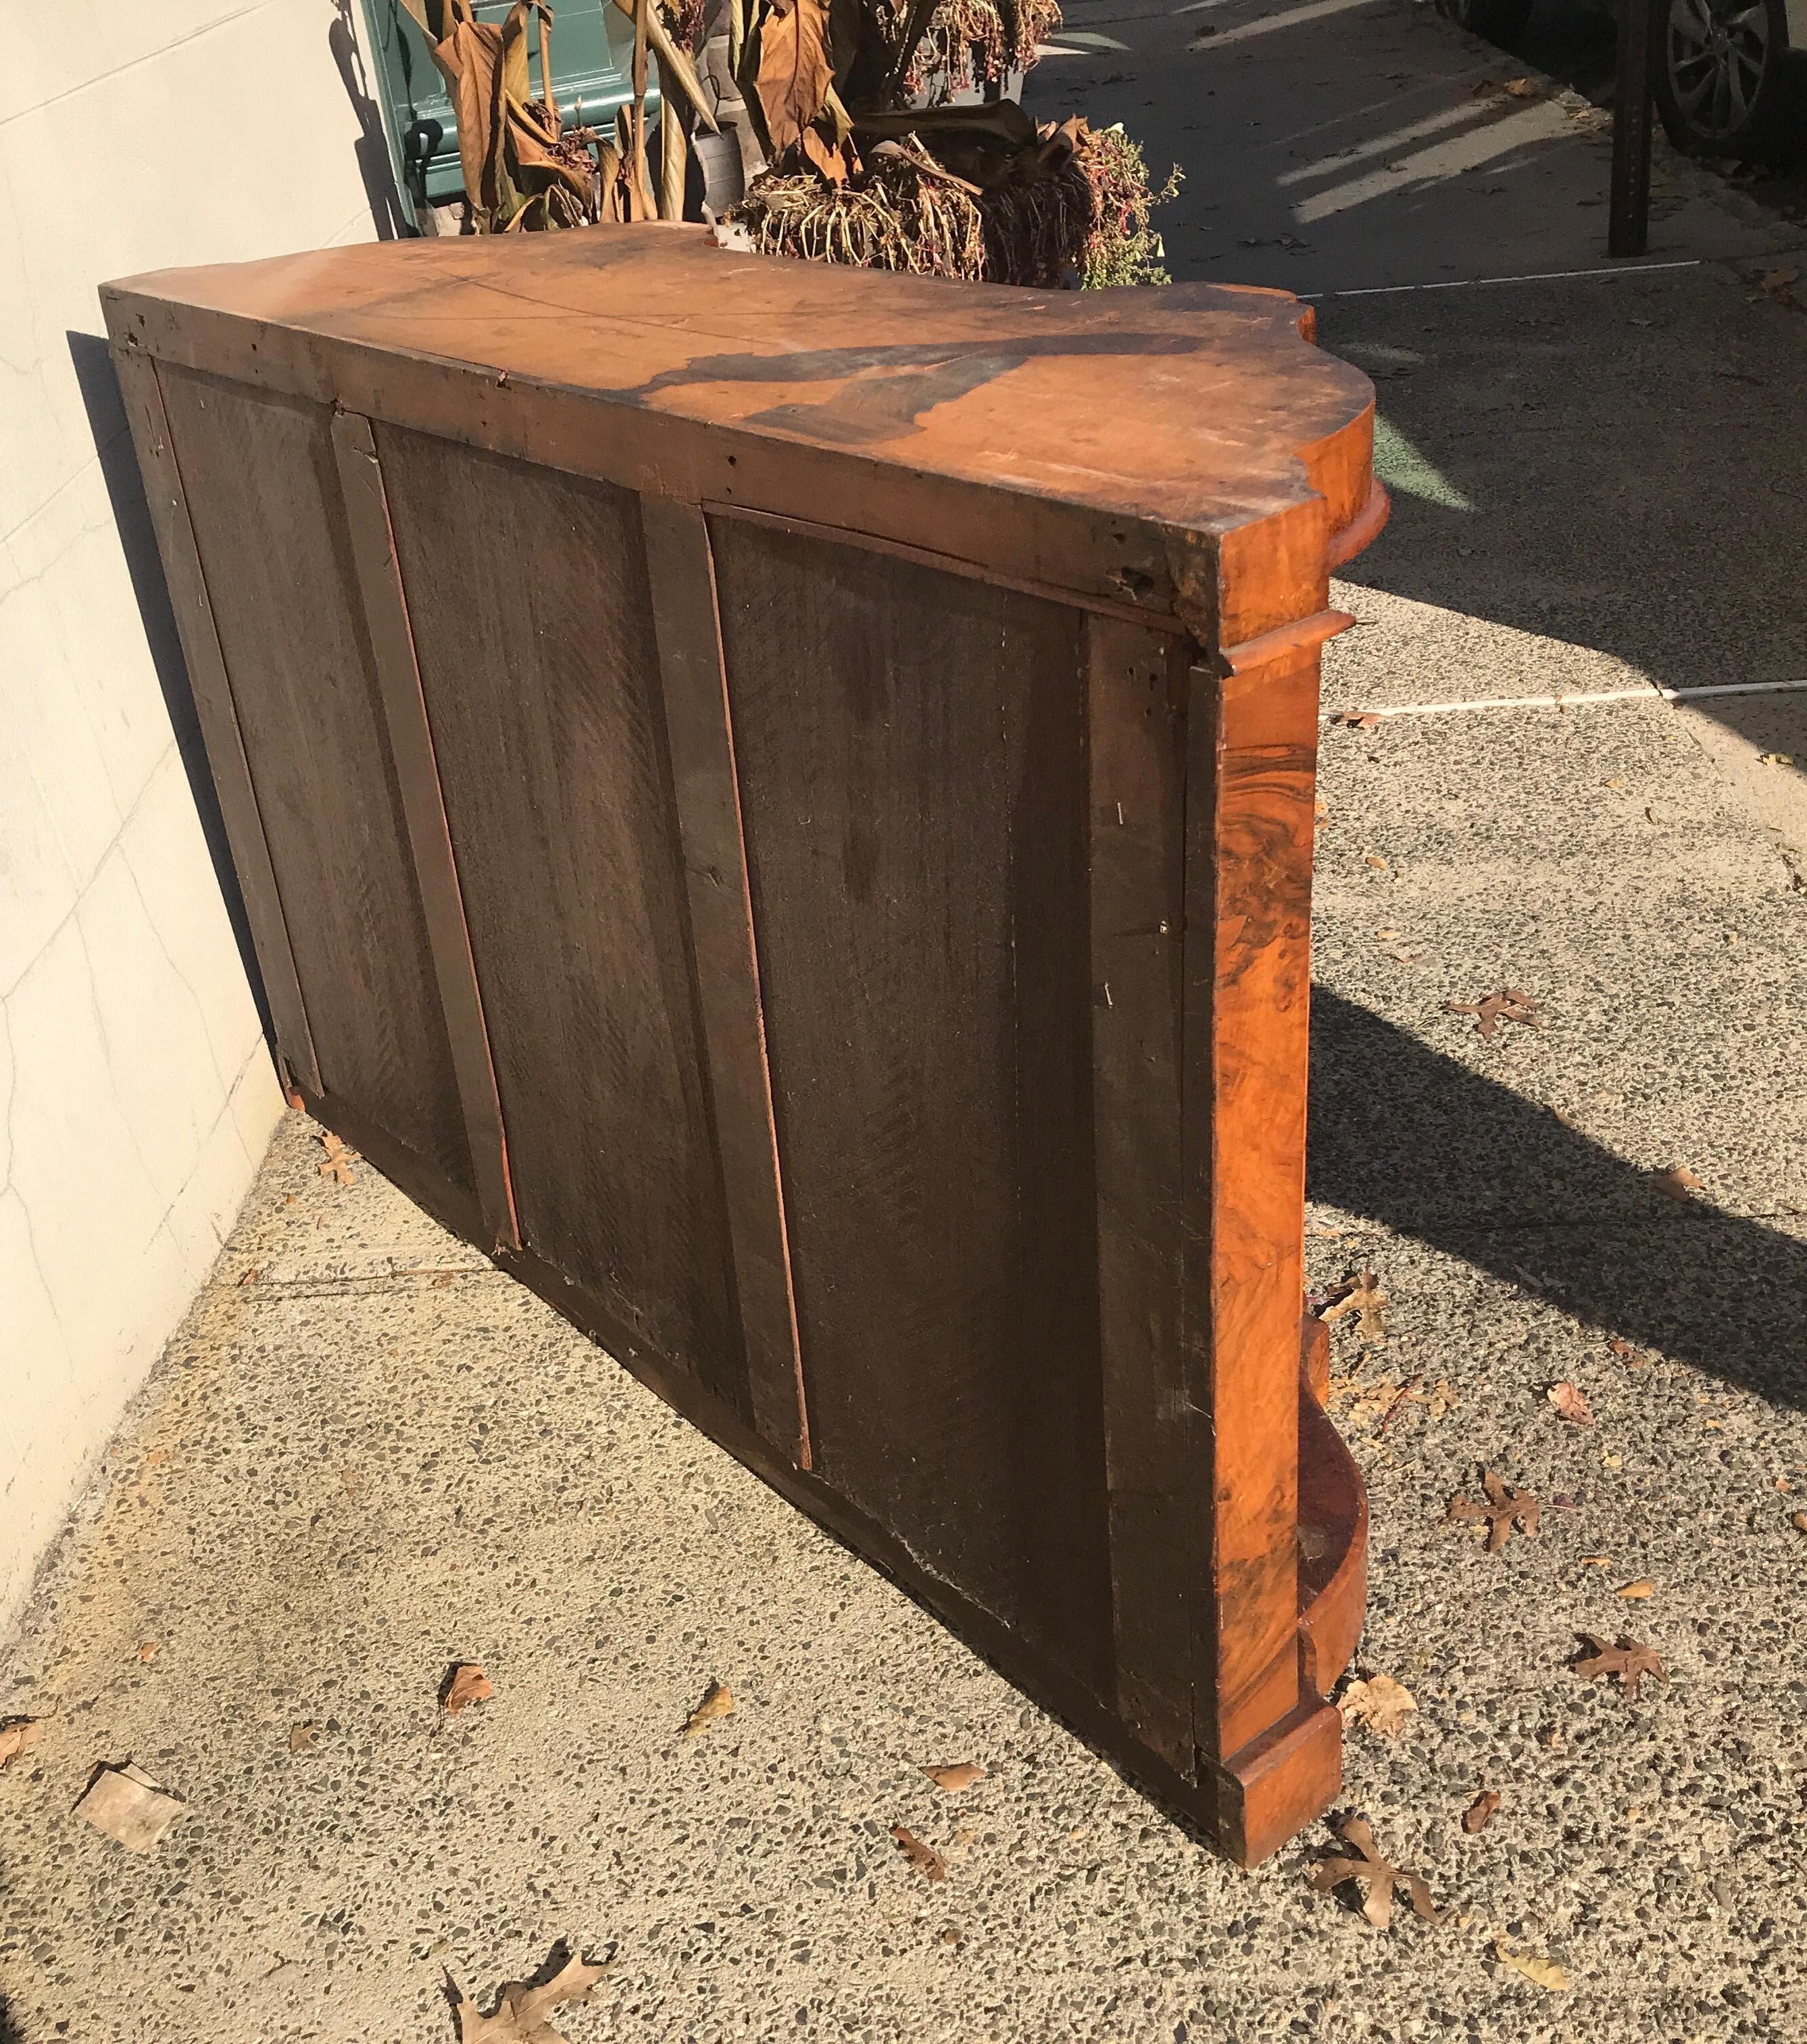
1775	758
925	1859
1507	1005
1570	1404
523	2016
1799	1522
1503	1510
1552	1739
1378	1702
955	1781
303	1737
466	1684
17	1735
1546	1972
148	1652
1642	1587
1358	720
1375	1876
1678	1182
129	1806
716	1703
337	1164
1362	1296
251	1276
1374	860
1777	280
1632	1359
1480	1813
1521	88
1629	1659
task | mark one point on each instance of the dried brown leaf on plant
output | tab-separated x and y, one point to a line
1376	1878
716	1703
1630	1660
1378	1702
796	69
956	1780
1362	1296
925	1859
1678	1182
17	1736
1546	1972
338	1160
524	2014
1480	1813
1509	1005
129	1807
1571	1404
466	1684
1502	1509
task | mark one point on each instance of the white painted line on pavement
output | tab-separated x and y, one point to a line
1652	693
1534	277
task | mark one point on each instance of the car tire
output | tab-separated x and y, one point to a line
1491	19
1724	76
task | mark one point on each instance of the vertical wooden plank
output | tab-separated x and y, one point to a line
1135	743
1249	900
214	705
680	573
423	807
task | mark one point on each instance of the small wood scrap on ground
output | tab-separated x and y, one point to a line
129	1807
523	2015
1378	1702
338	1164
1375	1879
925	1859
1502	1509
1508	1004
1359	1294
465	1684
17	1737
717	1701
1630	1660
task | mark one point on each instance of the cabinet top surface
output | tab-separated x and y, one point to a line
1195	405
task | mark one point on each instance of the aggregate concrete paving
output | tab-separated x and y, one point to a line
377	1457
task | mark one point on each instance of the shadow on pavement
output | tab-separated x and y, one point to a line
1403	1135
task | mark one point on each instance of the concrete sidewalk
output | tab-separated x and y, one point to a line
367	1455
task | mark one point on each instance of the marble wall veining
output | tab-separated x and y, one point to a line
136	1094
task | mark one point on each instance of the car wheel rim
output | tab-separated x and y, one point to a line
1718	54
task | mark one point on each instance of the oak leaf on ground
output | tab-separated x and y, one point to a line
1378	1702
525	2014
1376	1878
337	1165
1571	1402
1503	1509
1546	1972
17	1735
1508	1004
1362	1296
1480	1813
1629	1659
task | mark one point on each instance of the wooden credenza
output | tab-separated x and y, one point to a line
777	801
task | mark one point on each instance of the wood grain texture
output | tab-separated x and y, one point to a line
1156	1468
693	687
1249	968
264	495
533	629
212	690
911	758
410	747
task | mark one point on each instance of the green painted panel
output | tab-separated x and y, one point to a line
592	48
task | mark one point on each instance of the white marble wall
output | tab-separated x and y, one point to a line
135	1092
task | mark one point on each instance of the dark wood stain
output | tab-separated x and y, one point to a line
532	624
263	494
911	750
